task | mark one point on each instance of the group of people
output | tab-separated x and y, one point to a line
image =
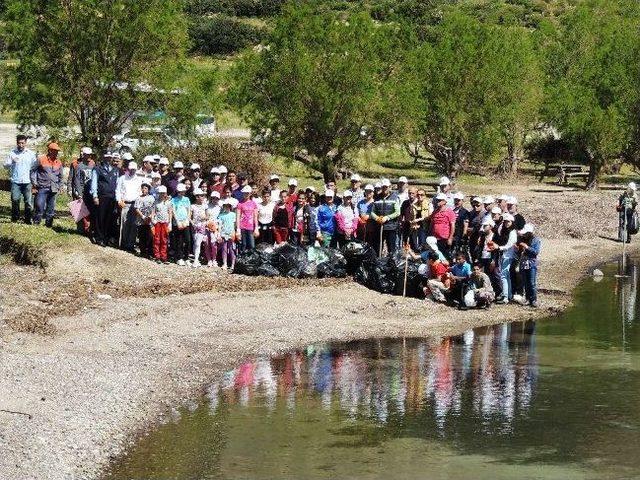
171	212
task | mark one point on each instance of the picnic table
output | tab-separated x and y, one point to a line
564	171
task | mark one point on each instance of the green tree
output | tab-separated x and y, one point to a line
593	69
317	84
93	63
478	91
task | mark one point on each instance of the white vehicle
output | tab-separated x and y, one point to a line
131	140
206	126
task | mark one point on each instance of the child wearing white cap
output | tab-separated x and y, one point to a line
161	219
346	219
247	220
227	228
199	219
212	229
143	207
181	233
529	247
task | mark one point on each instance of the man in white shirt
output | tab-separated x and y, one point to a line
356	191
403	189
20	162
127	192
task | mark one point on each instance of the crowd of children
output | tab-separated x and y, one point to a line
178	214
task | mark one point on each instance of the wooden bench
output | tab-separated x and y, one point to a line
563	172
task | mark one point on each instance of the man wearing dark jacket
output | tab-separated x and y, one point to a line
103	191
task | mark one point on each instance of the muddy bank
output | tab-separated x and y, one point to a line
113	367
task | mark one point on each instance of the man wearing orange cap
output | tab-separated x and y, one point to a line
46	179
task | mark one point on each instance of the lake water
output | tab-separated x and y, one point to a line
556	399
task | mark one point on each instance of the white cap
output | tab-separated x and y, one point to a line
108	155
507	217
181	187
512	201
355	178
432	241
222	169
632	186
502	197
403	179
476	199
86	151
441	196
293	182
311	188
347	193
444	181
156	156
215	170
127	156
246	189
153	158
115	155
132	166
163	161
198	191
147	158
528	228
385	182
195	166
328	193
488	221
423	269
488	199
369	187
377	185
178	164
162	189
458	196
215	194
155	175
496	211
274	177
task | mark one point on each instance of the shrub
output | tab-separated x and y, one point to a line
240	8
222	35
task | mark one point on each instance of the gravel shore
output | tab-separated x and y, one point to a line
112	368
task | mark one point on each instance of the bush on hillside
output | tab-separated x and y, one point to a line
240	8
222	35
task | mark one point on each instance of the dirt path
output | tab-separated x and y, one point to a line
113	367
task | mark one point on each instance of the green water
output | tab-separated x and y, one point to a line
557	399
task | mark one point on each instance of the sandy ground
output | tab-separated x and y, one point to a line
108	369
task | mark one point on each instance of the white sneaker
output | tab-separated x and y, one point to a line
210	263
224	266
195	264
181	262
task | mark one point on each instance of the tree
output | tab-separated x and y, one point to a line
593	69
94	63
476	95
316	85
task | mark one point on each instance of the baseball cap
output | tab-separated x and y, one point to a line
198	191
432	241
488	221
86	151
507	217
53	146
127	156
528	228
147	158
108	155
145	183
329	193
476	200
223	169
444	181
355	177
215	194
458	196
132	166
311	188
377	185
488	199
155	175
162	189
369	187
274	177
441	196
512	201
195	166
502	197
403	179
178	164
181	187
215	170
347	193
385	182
116	155
293	182
246	189
163	161
496	211
153	158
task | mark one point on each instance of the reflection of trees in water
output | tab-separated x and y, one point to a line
494	367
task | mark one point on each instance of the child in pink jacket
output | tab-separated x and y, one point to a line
346	219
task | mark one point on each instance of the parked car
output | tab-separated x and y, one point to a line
131	140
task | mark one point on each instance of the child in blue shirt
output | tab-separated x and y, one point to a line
227	230
181	232
460	275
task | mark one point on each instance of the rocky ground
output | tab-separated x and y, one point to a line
101	369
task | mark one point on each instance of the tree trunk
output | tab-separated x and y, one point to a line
509	165
594	174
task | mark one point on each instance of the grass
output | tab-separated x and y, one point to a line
7	117
29	244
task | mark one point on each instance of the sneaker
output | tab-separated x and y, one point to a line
195	264
210	263
224	266
533	304
181	263
166	262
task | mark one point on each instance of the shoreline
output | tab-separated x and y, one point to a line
110	374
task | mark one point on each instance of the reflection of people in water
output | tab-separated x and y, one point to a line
496	365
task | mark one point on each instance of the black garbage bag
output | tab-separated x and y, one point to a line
248	263
331	270
355	253
268	270
396	265
292	261
376	275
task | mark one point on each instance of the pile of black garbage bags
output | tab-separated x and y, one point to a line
385	275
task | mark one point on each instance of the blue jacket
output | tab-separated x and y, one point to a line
531	253
327	219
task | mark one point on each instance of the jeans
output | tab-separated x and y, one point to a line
45	206
247	240
530	280
21	191
505	276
